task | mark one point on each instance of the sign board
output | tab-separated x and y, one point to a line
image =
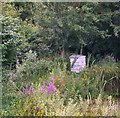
78	63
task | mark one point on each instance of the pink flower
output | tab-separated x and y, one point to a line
48	89
28	91
77	79
31	89
43	88
51	87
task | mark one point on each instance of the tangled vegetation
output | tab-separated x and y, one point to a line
58	92
37	40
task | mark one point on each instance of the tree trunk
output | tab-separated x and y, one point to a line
62	53
81	49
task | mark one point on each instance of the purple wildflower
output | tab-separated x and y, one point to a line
31	89
48	89
51	87
43	88
77	79
28	91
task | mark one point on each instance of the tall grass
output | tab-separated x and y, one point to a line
39	104
83	93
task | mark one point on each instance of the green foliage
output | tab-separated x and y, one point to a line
45	29
33	71
83	27
97	79
74	27
49	105
89	84
60	26
111	71
11	38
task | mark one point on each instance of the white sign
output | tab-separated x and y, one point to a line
78	63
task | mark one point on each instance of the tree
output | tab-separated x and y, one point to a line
59	24
108	14
10	35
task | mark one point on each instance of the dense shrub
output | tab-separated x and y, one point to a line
11	39
111	73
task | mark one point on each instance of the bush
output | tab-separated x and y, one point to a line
11	39
111	72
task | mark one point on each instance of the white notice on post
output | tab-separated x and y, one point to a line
78	63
